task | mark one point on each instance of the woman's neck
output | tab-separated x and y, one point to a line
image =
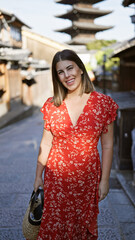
73	94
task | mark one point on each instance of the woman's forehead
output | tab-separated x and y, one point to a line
64	63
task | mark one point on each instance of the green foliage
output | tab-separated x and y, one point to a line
110	62
99	44
102	47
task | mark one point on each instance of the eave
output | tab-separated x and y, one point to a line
85	27
13	16
79	41
72	2
126	3
10	54
125	46
92	13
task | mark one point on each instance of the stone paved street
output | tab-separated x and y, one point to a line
18	155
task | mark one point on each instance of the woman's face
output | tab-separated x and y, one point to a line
69	75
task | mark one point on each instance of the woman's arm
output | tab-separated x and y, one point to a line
107	155
44	149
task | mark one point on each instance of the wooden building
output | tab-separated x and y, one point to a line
10	30
10	55
10	76
18	68
126	53
82	15
124	125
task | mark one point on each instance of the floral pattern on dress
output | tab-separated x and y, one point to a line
73	170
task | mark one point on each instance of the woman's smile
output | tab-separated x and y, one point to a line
70	82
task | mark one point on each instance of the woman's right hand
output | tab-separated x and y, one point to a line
38	183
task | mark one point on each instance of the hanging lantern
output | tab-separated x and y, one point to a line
2	92
29	82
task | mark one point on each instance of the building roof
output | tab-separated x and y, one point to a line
35	64
10	54
12	18
5	44
76	12
71	2
22	57
126	3
124	46
84	27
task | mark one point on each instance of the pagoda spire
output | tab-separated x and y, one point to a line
82	15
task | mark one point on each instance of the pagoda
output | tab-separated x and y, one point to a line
82	15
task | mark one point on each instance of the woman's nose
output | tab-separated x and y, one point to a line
66	74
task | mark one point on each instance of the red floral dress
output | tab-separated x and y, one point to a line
73	171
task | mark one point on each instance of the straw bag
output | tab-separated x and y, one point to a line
33	215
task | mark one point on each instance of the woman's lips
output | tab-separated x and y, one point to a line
70	82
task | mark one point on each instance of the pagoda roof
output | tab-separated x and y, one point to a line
71	2
79	41
91	12
84	27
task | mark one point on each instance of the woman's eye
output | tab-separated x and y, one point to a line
70	68
59	73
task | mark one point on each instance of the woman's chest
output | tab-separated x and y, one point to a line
88	121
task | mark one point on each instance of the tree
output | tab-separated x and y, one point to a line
99	44
102	47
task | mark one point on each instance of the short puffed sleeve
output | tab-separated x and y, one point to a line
46	113
110	112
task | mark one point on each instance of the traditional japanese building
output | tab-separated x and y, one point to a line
82	15
10	30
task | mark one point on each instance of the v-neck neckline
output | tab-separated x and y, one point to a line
73	126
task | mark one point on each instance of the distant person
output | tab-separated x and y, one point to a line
75	118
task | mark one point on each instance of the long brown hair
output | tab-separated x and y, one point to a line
60	91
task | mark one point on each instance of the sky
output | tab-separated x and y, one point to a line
40	16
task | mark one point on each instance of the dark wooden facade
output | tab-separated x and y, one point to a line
124	124
126	53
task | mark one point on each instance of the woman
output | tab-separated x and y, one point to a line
75	118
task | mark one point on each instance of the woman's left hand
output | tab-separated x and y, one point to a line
103	189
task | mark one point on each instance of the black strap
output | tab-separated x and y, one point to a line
35	195
38	209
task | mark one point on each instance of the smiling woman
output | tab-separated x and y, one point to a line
75	118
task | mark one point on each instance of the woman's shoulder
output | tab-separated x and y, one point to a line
102	96
47	104
99	94
49	101
106	101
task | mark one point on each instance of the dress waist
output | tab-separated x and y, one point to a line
80	144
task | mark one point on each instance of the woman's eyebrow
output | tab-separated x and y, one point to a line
69	66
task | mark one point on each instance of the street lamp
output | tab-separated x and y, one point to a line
104	74
133	20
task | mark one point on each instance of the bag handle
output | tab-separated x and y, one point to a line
35	195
